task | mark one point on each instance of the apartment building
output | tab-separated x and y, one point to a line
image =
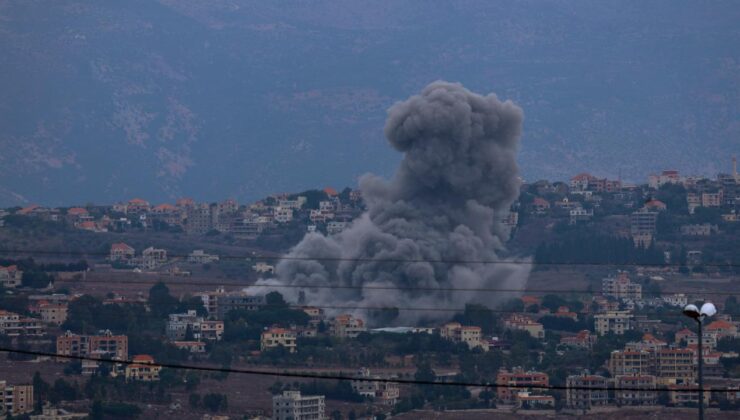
621	287
278	337
346	326
518	378
53	313
14	325
577	396
104	343
470	335
10	277
178	326
630	362
675	365
616	322
143	369
686	394
15	399
237	301
291	405
642	226
151	258
635	390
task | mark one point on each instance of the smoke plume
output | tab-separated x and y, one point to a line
455	183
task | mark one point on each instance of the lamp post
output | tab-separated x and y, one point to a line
707	309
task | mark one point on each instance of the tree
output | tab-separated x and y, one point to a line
194	400
215	402
160	301
96	411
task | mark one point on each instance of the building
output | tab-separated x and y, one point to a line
278	337
648	343
584	340
179	325
198	219
616	322
630	362
666	177
104	344
14	325
346	326
51	413
713	199
520	379
580	214
334	227
53	313
469	335
635	390
722	329
525	323
642	226
686	394
199	256
10	277
151	258
143	369
291	405
703	229
191	346
527	400
237	301
381	391
675	366
15	399
621	287
121	253
586	391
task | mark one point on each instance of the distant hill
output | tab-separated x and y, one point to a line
108	100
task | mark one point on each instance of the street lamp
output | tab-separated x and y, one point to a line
707	309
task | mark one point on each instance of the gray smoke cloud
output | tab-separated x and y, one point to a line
456	182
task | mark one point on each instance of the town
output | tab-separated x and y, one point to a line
104	302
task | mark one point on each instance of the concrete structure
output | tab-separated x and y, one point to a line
675	366
635	390
199	256
15	399
584	339
14	325
586	398
381	391
10	277
525	323
53	313
630	362
278	337
178	326
152	258
346	326
121	253
458	333
616	322
50	413
642	226
104	344
519	378
621	287
291	405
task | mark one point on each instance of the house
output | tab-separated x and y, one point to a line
703	229
199	256
151	258
346	326
53	313
722	329
525	323
191	346
580	182
121	253
713	199
143	369
540	205
16	399
384	392
278	337
179	325
584	339
655	205
686	394
10	277
648	343
527	400
334	227
470	335
291	405
104	343
137	206
580	215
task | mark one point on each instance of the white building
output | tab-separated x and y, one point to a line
151	258
200	257
616	322
291	405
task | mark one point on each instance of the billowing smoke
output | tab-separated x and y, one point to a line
456	182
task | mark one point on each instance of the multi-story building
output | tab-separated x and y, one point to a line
291	405
143	369
616	322
712	199
382	391
105	344
15	399
191	346
121	253
278	337
675	365
686	394
178	326
525	323
630	362
635	390
14	325
283	215
584	339
621	287
458	333
151	258
586	391
199	256
520	379
10	277
346	326
238	301
53	313
642	226
198	221
316	316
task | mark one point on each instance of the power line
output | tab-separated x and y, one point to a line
410	288
386	260
342	377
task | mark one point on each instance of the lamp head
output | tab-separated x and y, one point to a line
708	309
691	311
